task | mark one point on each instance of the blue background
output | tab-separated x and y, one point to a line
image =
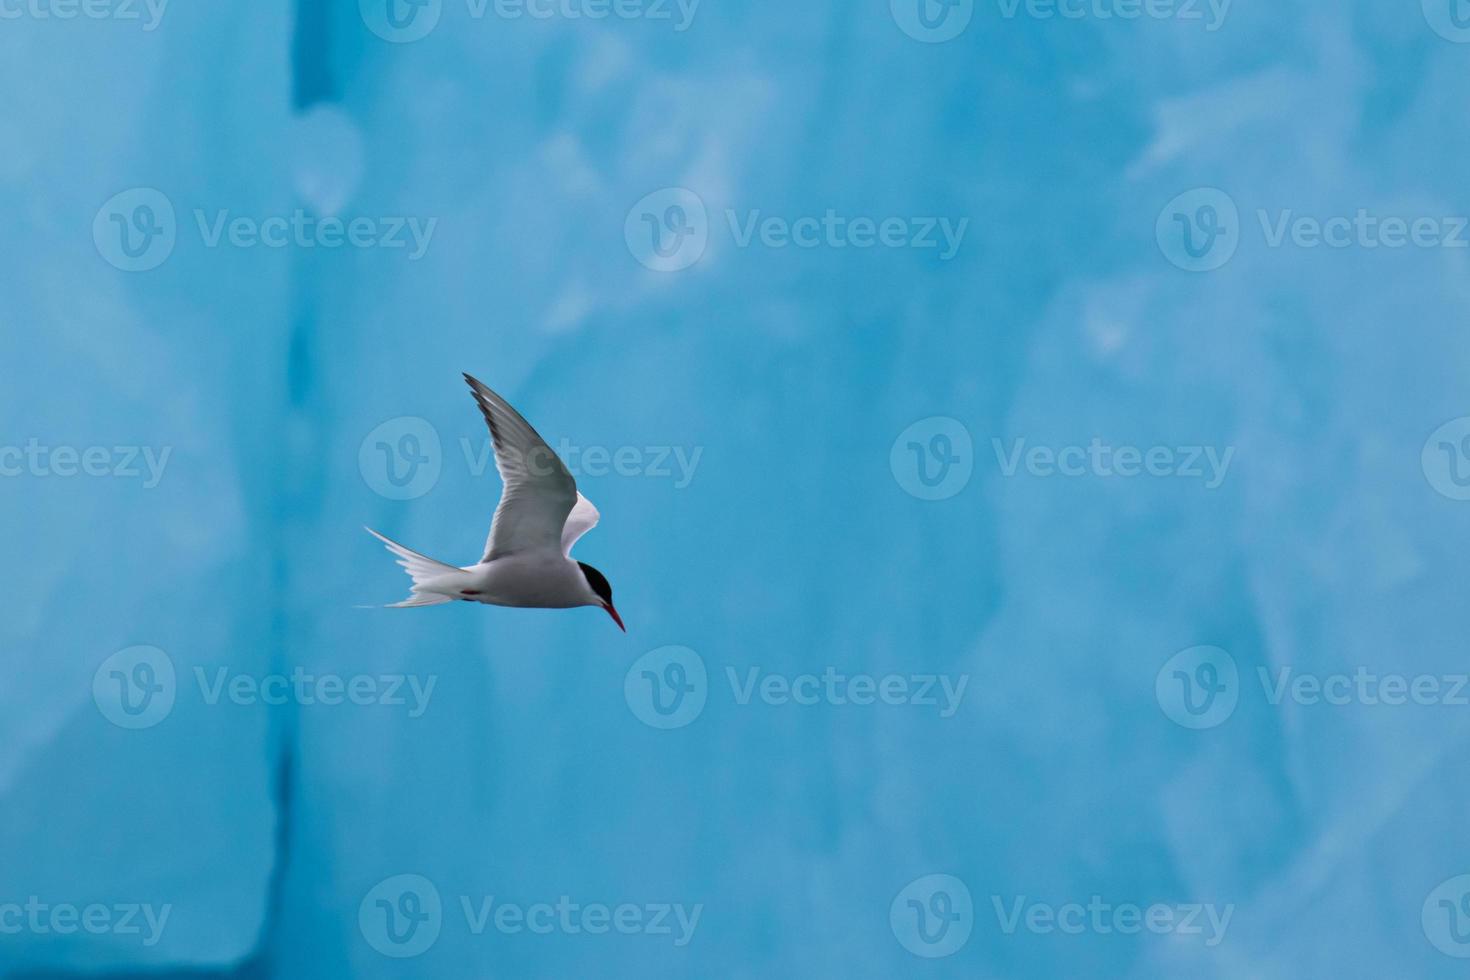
800	542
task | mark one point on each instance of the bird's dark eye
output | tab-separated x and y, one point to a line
597	581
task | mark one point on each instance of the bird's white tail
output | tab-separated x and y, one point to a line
423	570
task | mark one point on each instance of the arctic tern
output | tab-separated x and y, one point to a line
527	561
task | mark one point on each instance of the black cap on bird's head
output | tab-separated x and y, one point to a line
599	585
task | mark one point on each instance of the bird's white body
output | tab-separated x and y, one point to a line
534	580
527	560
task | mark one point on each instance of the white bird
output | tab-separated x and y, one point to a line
527	560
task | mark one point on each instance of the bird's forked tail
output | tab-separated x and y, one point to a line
428	575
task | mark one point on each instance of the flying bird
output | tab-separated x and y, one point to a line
527	560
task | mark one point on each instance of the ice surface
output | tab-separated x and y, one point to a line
275	376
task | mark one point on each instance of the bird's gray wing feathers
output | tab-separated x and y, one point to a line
539	492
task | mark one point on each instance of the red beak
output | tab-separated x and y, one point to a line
614	614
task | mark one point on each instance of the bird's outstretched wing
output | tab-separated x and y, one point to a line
539	492
583	518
